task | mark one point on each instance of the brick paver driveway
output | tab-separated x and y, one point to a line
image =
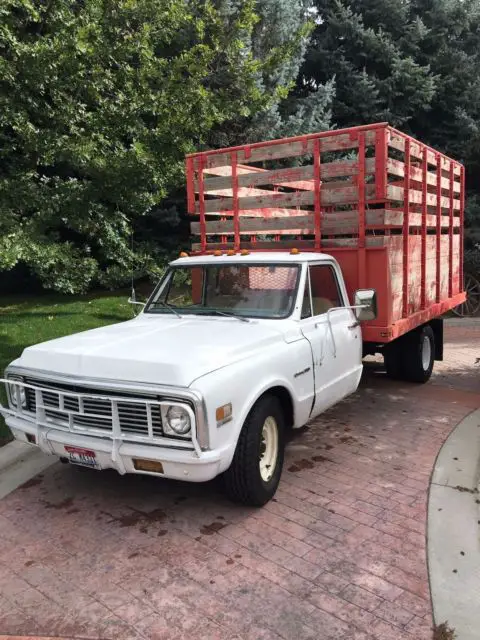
340	552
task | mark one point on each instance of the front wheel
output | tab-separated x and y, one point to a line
257	464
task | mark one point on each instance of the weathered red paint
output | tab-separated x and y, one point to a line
389	223
201	198
190	185
450	234
406	227
236	218
424	229
462	217
317	192
380	163
362	260
439	228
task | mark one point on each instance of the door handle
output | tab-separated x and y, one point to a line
354	325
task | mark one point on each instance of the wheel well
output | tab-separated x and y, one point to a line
285	399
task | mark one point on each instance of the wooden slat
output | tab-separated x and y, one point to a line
332	223
261	202
415	197
338	142
397	168
285	244
243	192
258	225
397	141
371	242
278	212
294	177
341	193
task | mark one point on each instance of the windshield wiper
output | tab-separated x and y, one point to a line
169	307
229	315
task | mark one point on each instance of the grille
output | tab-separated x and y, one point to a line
95	413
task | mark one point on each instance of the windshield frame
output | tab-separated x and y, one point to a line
165	282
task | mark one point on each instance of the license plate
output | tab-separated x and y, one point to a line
83	457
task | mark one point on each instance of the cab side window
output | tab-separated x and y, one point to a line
325	290
306	304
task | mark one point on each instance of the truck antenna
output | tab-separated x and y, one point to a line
133	295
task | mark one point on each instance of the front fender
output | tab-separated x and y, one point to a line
243	383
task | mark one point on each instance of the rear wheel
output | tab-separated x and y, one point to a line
257	464
412	356
419	355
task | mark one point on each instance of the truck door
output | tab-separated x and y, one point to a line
334	336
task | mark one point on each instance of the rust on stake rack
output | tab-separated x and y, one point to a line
386	206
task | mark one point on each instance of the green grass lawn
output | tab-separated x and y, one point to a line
28	320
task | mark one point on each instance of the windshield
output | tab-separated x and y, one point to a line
243	290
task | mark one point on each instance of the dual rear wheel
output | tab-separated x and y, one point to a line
412	356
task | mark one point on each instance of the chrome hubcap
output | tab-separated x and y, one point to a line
268	448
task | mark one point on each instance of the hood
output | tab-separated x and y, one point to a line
154	349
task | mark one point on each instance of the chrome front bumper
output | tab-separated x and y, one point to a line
119	455
181	459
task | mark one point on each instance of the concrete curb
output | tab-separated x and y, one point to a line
19	462
462	322
453	533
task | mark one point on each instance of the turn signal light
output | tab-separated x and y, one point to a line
153	466
223	414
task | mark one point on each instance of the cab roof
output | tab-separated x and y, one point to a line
256	257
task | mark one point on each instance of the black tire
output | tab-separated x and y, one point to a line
414	369
242	481
393	359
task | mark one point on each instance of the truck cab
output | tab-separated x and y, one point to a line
229	352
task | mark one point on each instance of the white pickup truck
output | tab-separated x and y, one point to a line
228	353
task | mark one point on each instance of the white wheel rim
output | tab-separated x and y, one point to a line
268	448
426	352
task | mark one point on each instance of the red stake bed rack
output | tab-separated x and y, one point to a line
389	208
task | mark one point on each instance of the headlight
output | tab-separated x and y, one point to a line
177	421
12	392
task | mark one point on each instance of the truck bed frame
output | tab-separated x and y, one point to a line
389	208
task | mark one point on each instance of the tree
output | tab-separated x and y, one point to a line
279	36
99	102
413	63
369	47
284	27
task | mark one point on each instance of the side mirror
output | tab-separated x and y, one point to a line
366	303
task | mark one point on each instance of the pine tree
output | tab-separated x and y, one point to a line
283	26
369	47
413	63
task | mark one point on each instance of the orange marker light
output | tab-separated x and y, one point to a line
294	252
183	254
223	414
244	252
230	252
217	252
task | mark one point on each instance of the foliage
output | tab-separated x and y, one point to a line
37	319
99	102
283	26
413	63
